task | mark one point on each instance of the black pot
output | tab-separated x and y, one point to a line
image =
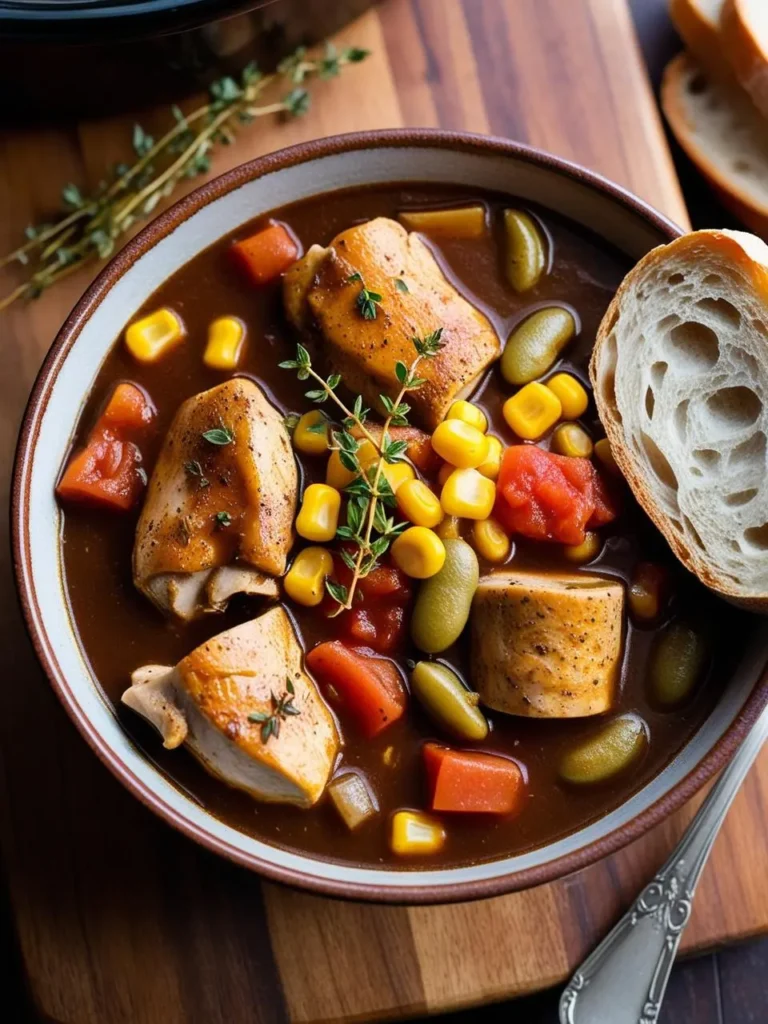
80	58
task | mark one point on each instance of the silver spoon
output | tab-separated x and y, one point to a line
623	980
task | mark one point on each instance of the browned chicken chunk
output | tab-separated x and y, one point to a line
318	290
547	646
220	699
218	517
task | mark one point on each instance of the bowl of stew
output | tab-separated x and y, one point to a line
320	544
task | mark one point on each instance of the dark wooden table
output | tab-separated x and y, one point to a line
725	988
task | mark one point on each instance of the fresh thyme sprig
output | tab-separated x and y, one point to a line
282	708
367	301
370	493
91	225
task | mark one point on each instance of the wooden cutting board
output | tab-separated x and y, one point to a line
119	919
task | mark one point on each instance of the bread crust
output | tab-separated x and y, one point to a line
734	199
751	256
701	36
746	56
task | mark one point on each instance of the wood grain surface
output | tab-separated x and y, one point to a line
118	918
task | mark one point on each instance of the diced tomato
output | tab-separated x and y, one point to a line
420	450
370	690
128	408
378	621
472	782
103	473
378	626
265	255
550	497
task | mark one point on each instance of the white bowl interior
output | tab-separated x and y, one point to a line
624	228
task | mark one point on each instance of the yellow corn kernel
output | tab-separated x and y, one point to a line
419	552
460	444
339	476
319	513
605	455
397	474
225	343
646	590
588	550
460	222
470	414
153	336
311	434
449	528
469	494
419	504
492	464
305	580
490	540
573	398
571	439
414	832
444	472
532	411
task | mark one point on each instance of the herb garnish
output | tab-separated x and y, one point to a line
195	469
219	435
401	285
90	226
366	299
222	519
186	531
282	708
368	526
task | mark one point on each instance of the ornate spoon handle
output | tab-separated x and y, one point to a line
623	980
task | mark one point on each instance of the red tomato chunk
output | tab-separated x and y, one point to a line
550	497
379	620
369	690
472	782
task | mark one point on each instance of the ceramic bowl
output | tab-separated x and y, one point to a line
72	364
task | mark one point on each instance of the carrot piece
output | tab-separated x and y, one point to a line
470	781
369	689
265	255
104	473
128	408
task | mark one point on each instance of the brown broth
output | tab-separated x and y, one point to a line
120	630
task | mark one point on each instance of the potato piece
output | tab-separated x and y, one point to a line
458	222
547	646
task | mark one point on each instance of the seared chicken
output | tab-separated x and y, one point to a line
547	646
218	517
323	289
221	697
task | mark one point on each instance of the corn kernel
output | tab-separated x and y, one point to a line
588	550
415	833
339	476
319	513
449	528
490	540
573	397
460	444
469	494
305	580
470	414
492	464
153	336
460	222
311	434
397	474
419	552
225	343
605	455
646	590
419	504
444	472
532	411
571	439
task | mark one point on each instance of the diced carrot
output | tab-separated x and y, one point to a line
472	782
265	255
128	408
104	473
369	689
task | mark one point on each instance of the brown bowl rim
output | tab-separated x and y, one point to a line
157	229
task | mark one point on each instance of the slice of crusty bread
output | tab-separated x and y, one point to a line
680	375
724	135
698	25
744	36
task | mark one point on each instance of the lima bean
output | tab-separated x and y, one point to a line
676	662
607	752
535	345
442	606
526	251
448	702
